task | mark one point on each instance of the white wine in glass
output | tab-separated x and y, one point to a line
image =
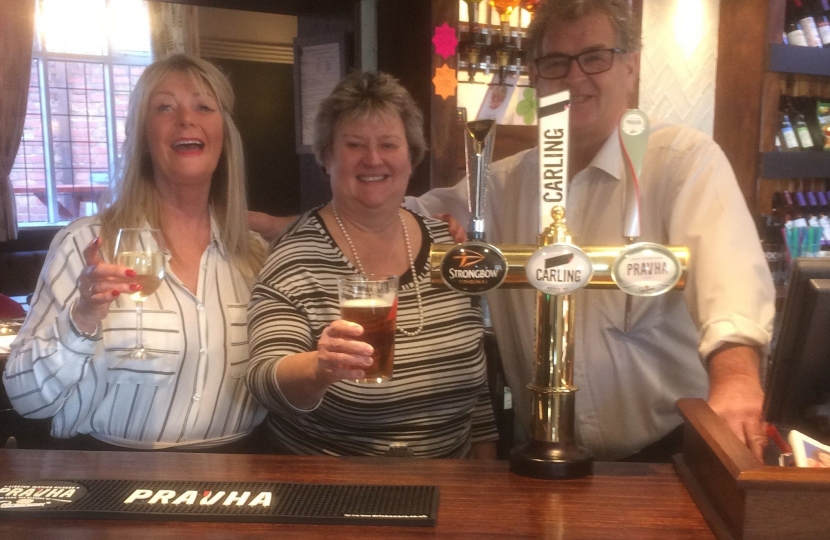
143	251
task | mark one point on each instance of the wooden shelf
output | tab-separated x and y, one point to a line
804	164
801	60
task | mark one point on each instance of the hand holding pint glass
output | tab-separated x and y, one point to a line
372	302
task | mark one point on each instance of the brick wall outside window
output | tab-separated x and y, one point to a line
73	132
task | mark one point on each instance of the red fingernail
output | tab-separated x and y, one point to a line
115	293
130	273
135	287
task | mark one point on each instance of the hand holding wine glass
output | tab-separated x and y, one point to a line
141	250
99	284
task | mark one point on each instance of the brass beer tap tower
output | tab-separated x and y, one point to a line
557	268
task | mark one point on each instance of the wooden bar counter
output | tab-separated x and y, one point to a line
478	499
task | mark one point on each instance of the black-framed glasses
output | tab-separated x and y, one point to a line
556	66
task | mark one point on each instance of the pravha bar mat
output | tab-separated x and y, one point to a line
342	504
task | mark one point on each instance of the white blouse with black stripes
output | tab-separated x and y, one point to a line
192	395
437	402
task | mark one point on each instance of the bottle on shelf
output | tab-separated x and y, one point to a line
788	211
779	210
802	130
505	9
808	24
472	16
821	14
810	210
824	217
772	242
813	208
823	206
797	207
823	117
787	136
807	107
792	27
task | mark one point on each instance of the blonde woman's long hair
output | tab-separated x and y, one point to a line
136	199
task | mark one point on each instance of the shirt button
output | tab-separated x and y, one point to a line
197	397
200	306
202	351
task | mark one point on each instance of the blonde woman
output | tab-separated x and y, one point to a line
182	173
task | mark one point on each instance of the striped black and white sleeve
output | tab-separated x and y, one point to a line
49	369
276	328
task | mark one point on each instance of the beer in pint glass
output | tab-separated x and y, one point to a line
372	302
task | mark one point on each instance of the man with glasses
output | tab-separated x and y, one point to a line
633	361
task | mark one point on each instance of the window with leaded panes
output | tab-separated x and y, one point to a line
87	57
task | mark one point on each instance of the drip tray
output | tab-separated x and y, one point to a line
340	504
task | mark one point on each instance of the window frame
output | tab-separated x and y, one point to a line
108	61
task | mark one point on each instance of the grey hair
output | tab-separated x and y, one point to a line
618	12
360	95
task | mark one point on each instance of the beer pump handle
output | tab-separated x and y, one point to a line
553	114
479	136
633	133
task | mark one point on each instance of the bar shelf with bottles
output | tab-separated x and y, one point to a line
807	24
798	226
802	138
492	35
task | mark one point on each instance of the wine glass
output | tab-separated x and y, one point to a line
143	251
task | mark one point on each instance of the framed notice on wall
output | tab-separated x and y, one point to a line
319	64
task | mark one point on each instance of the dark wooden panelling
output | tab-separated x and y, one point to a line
404	50
265	117
738	88
445	135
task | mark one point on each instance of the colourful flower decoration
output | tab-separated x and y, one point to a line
445	81
526	108
445	41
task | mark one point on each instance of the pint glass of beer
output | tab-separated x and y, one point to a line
372	302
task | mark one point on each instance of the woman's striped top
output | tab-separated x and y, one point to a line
437	402
191	395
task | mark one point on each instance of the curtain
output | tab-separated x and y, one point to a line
174	29
17	26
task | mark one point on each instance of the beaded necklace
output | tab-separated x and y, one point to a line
411	267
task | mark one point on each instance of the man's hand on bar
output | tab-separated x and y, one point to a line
735	394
